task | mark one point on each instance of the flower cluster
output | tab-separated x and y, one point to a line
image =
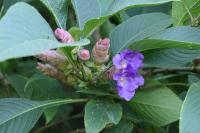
127	65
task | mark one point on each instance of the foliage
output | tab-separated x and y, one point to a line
57	82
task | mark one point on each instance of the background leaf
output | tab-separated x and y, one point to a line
99	113
59	10
190	117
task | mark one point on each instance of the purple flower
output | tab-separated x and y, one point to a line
128	60
127	65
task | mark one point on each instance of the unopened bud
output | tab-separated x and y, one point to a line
51	71
63	36
100	51
84	54
53	57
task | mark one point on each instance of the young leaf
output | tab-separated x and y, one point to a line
92	13
99	113
190	117
181	9
137	28
20	115
58	9
159	106
32	36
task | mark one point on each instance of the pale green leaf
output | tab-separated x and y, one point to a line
21	36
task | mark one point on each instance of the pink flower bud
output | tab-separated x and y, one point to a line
84	54
54	58
63	36
103	45
100	52
51	71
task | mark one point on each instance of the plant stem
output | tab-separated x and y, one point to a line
174	70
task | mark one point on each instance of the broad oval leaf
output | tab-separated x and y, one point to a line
99	113
32	36
157	105
20	115
92	13
189	119
137	28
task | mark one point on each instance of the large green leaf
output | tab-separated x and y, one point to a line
92	13
58	9
190	117
20	115
21	36
176	37
99	113
171	57
180	13
137	28
159	106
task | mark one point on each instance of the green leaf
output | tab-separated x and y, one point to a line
171	57
32	36
180	13
122	127
20	115
159	106
92	13
58	9
137	28
99	113
190	117
176	37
